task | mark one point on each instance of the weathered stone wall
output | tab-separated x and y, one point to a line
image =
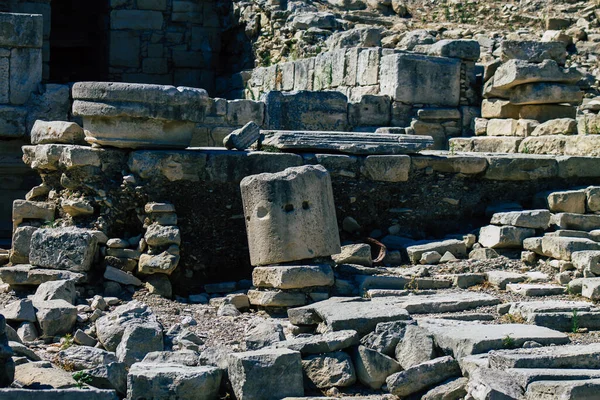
428	195
166	42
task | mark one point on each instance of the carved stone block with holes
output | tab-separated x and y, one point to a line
290	215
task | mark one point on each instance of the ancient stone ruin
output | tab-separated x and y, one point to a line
263	200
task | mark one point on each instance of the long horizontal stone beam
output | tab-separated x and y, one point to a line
347	142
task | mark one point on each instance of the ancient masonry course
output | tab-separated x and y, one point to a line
299	199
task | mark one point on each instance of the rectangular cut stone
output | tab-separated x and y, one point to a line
520	167
495	144
536	219
276	298
70	249
323	72
578	222
21	30
526	376
546	112
368	67
303	74
458	248
292	277
562	248
545	93
413	78
25	73
463	164
499	108
28	275
502	127
563	389
535	290
518	72
337	67
351	67
4	77
463	49
466	338
496	237
532	51
589	260
347	142
571	356
387	168
290	215
136	19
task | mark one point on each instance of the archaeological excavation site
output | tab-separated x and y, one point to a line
299	199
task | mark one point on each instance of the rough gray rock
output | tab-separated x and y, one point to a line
241	139
329	370
266	374
372	368
70	249
325	343
263	334
84	357
109	376
57	290
422	376
416	347
454	389
19	311
139	340
55	317
385	338
489	384
7	365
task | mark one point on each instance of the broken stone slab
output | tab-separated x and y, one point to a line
401	283
266	374
422	376
454	388
518	72
533	51
24	209
545	93
347	142
590	288
276	298
293	276
577	222
122	277
386	168
570	356
440	303
534	219
163	263
137	341
241	139
317	344
386	336
290	215
159	236
163	380
462	338
567	201
329	370
372	367
70	249
354	254
89	393
567	321
501	278
19	311
337	314
530	290
525	376
562	248
492	236
44	132
21	244
559	126
530	308
457	247
415	347
29	275
84	357
463	49
575	389
490	384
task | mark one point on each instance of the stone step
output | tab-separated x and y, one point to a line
352	313
458	248
466	338
530	308
526	376
568	390
501	278
373	293
577	222
401	283
89	393
571	356
567	321
531	290
317	344
441	303
31	276
347	142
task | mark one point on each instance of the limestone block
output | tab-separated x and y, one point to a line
496	237
242	138
480	126
518	72
569	201
463	49
545	93
590	288
368	66
329	370
579	222
23	209
589	260
79	156
394	168
267	374
136	20
21	30
287	76
25	73
163	263
593	198
414	78
502	127
323	71
30	276
562	248
56	317
44	132
21	244
337	67
292	277
499	108
172	165
494	144
240	112
535	219
276	298
534	52
546	112
370	111
70	249
290	215
164	380
303	74
520	167
457	247
559	126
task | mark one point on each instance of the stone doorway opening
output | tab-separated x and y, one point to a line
79	40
